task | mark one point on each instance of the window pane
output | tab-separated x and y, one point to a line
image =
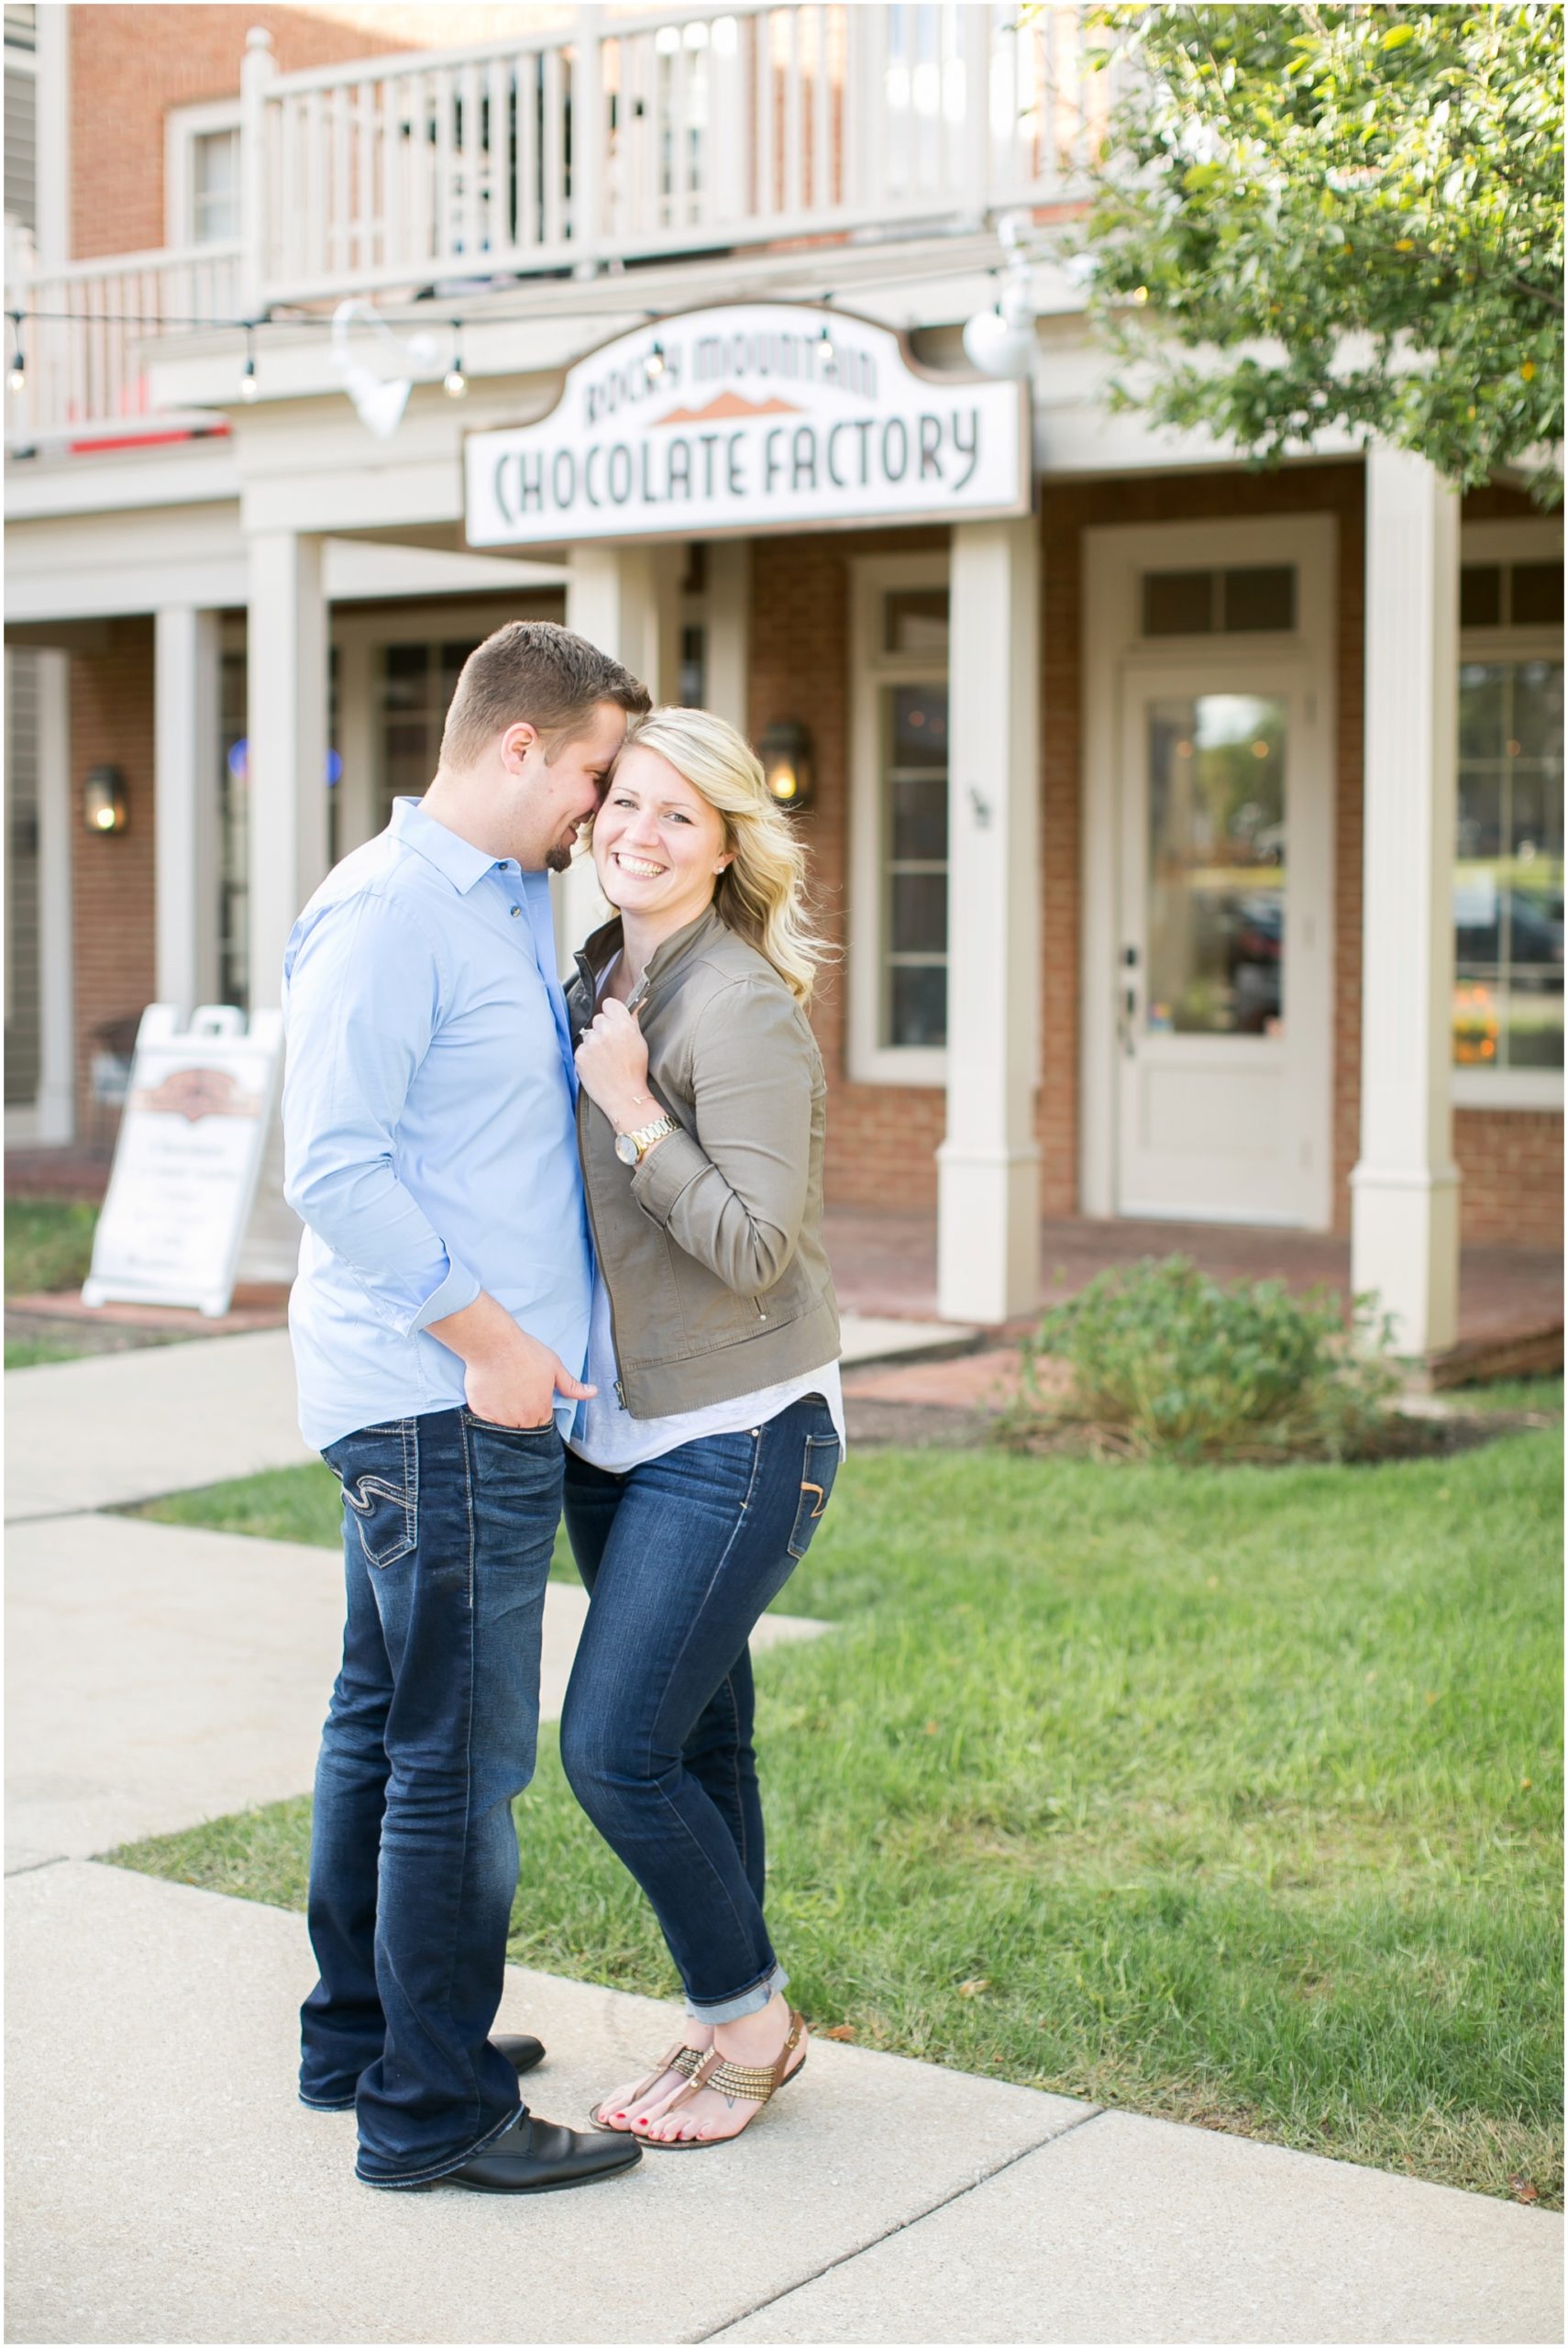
915	620
215	185
919	726
1481	595
914	869
919	912
1507	884
1537	714
1480	710
1178	603
1537	595
918	832
405	675
917	1013
693	685
1216	913
1259	599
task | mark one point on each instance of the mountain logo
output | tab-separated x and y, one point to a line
725	408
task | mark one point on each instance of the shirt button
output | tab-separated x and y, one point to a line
516	912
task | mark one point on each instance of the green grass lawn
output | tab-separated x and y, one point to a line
49	1246
1231	1795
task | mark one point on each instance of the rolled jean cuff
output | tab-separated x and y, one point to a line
750	2001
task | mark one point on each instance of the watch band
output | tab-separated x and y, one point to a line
643	1139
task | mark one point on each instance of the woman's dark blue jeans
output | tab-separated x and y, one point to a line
449	1523
681	1557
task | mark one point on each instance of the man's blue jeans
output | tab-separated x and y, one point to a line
448	1524
682	1555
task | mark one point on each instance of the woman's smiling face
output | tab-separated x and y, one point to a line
657	845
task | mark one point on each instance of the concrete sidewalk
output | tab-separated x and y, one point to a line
113	1429
166	2185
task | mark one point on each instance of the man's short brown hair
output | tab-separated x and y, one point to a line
532	672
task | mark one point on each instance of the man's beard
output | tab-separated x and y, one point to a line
559	859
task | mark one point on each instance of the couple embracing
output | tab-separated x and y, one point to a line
560	1247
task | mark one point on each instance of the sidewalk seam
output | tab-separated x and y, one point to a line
902	2226
59	1859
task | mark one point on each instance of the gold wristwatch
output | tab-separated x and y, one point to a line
632	1149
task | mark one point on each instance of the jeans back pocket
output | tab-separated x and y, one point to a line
818	1465
379	1470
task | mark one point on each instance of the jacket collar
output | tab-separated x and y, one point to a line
664	959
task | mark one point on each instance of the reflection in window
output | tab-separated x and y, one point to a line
914	819
1507	880
1217	839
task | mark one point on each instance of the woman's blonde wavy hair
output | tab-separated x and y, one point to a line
761	894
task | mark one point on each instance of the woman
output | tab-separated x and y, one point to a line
699	1474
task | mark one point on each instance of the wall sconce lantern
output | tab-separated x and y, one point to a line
104	799
786	748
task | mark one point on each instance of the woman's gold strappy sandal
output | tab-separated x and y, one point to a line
680	2057
754	2083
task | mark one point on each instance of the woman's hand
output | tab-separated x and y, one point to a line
612	1067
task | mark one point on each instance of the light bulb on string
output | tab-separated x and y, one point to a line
247	384
17	376
655	362
456	383
824	345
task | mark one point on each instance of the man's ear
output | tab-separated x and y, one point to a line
515	743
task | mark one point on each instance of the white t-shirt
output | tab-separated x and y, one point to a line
606	1435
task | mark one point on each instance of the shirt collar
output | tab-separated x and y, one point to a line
457	859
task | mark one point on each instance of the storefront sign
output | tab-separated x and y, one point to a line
190	1148
754	416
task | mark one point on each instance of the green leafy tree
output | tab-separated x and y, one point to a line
1355	213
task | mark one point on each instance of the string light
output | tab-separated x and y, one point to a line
457	383
656	362
824	344
18	377
247	383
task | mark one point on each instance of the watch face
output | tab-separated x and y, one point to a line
625	1149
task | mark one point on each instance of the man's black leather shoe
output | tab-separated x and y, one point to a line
520	2051
537	2157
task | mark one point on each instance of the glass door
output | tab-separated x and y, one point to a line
1217	908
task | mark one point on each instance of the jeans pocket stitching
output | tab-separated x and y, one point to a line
354	1492
807	1516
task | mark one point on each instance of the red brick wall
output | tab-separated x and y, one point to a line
113	876
130	65
1510	1164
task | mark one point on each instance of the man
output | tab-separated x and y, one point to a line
439	1321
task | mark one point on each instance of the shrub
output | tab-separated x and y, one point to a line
1163	1362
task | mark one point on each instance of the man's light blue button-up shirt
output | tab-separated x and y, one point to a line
429	1128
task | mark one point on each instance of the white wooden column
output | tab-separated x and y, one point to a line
286	692
1405	1189
989	1167
729	631
186	722
626	600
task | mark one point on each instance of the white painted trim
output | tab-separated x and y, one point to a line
194	475
183	125
55	1108
1507	1088
1114	557
52	129
185	721
871	1062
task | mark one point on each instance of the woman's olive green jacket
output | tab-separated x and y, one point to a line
711	1249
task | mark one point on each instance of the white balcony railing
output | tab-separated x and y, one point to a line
695	130
82	338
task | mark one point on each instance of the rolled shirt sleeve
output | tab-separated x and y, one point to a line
362	1001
